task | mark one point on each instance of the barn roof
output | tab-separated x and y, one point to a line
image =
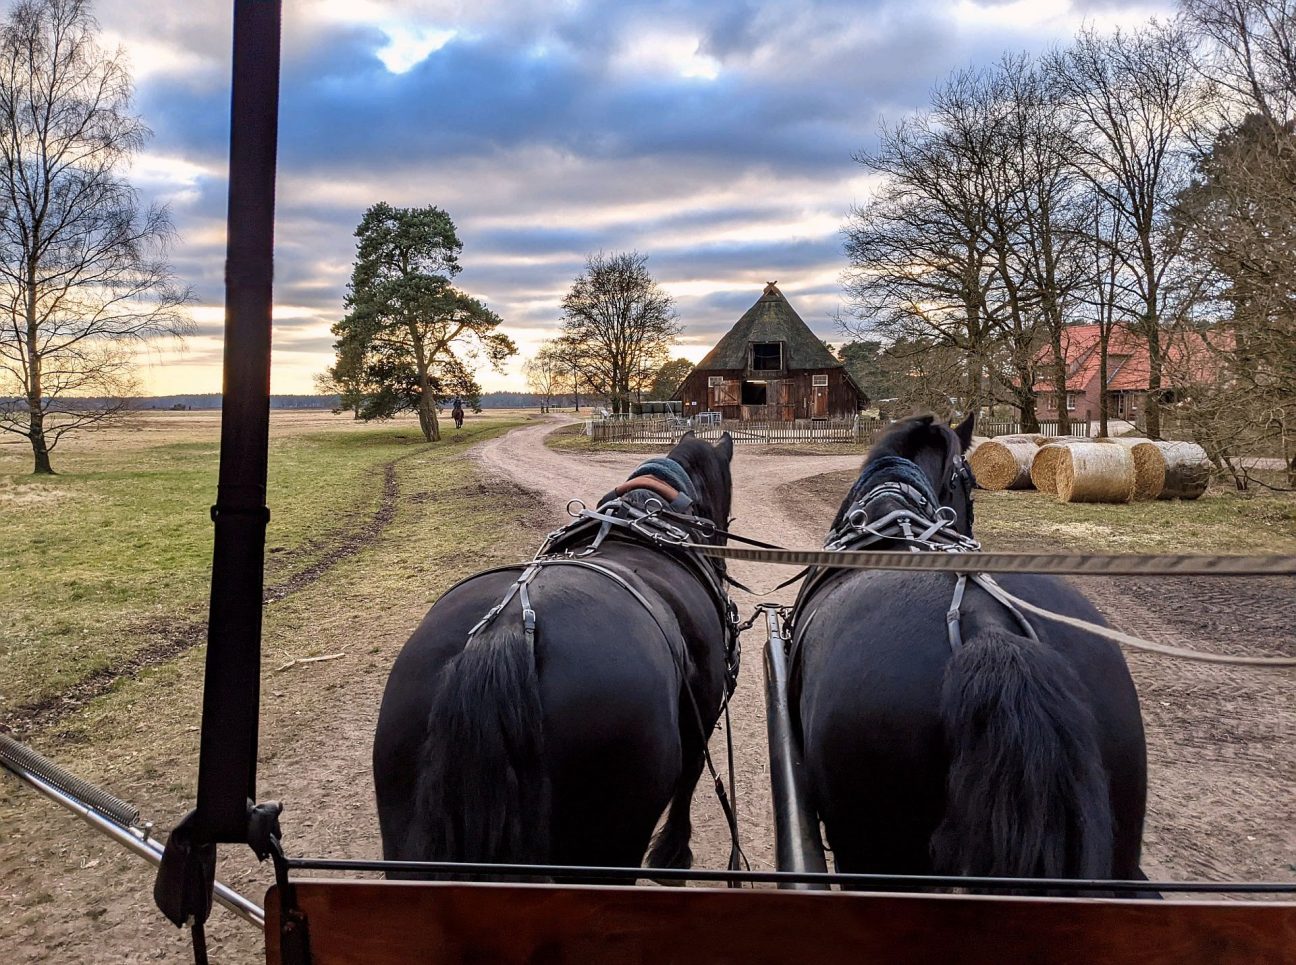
771	319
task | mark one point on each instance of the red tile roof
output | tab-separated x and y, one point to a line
1186	358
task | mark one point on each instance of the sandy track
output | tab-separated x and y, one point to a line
522	457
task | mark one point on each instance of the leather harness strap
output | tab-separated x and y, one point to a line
659	486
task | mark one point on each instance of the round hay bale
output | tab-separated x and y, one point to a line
1188	470
1149	466
1092	472
1043	470
1003	465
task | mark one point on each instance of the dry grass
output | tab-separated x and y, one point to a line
98	558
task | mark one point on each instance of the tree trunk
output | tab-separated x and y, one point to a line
1029	420
428	417
40	450
1025	393
36	421
1152	403
1059	381
1104	338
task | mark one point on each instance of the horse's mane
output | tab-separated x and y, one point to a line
922	440
710	474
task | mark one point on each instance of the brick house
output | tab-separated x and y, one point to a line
1127	372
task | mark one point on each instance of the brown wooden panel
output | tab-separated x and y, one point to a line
382	923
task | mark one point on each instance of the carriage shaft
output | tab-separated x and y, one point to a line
133	839
797	845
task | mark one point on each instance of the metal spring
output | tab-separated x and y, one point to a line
18	757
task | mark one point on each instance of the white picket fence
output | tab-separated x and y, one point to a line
667	431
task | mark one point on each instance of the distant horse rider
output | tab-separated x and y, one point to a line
456	413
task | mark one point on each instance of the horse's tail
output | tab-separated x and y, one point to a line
484	791
1027	791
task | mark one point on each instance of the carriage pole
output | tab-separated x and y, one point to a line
797	846
231	692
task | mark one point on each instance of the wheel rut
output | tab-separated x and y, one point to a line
169	637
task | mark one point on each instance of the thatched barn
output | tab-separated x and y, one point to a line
771	368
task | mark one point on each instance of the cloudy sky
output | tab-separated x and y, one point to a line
713	135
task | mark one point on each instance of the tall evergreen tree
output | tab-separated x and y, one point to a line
410	339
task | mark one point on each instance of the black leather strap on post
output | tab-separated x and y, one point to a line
231	689
231	695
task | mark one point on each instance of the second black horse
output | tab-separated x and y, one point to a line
965	746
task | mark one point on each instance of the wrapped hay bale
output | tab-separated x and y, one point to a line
1149	466
1043	470
1031	437
1094	472
1187	470
1003	465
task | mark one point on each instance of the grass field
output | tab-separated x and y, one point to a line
1222	521
117	548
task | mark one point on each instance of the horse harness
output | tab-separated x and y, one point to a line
652	508
921	523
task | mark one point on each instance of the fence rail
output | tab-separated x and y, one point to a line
668	431
863	430
1047	427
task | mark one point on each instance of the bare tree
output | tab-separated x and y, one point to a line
543	372
971	241
83	275
618	324
919	258
1045	219
1130	99
1239	218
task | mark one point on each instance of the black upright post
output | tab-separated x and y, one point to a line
232	692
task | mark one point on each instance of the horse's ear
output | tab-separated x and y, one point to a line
725	446
965	429
689	434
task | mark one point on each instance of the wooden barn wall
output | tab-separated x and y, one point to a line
797	393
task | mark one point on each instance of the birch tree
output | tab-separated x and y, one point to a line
83	273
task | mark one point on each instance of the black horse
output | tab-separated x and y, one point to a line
969	749
560	727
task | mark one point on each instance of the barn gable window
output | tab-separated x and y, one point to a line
767	356
819	380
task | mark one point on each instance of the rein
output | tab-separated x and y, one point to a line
933	545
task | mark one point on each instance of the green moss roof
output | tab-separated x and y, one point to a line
771	319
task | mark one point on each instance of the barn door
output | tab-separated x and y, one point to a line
781	396
820	396
724	392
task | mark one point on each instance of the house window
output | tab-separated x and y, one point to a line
754	393
767	357
714	380
1072	398
819	380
